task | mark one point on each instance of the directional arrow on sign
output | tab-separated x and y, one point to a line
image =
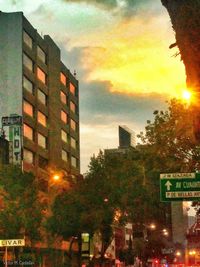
168	184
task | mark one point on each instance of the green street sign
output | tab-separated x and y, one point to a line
180	186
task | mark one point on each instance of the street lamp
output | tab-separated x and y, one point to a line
56	177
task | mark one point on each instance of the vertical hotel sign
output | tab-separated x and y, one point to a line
15	136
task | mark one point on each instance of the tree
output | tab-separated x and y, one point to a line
185	18
21	210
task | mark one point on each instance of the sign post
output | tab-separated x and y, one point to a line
180	186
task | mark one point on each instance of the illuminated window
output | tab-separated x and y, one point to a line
64	155
74	161
72	89
63	97
73	143
28	156
64	136
41	54
41	75
28	63
28	85
42	97
73	125
42	140
27	40
28	132
63	116
28	108
42	119
72	107
63	78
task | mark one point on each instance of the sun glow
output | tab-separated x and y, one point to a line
187	95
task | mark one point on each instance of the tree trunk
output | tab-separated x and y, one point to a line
185	18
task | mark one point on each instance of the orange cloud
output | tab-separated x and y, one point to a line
135	57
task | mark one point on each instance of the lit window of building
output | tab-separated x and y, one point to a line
73	125
73	143
63	116
28	63
42	97
41	54
63	97
64	136
28	132
41	75
27	40
28	85
42	140
72	107
74	161
63	79
42	119
28	108
28	156
64	155
72	89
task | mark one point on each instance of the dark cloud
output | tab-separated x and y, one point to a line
97	103
127	8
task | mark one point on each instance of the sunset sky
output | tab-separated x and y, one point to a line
120	51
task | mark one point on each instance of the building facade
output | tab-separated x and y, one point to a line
127	137
35	84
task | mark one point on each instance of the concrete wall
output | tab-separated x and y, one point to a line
10	64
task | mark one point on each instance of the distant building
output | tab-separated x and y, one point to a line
126	137
35	84
122	234
127	142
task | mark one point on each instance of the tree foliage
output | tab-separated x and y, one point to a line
124	187
21	211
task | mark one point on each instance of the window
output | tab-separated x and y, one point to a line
42	140
27	40
41	54
72	107
73	125
63	97
63	79
63	116
74	161
42	119
73	143
42	162
28	108
72	89
64	155
28	85
28	132
28	63
28	156
64	136
41	75
42	97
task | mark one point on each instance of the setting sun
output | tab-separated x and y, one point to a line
186	95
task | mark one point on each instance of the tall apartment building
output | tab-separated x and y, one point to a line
35	84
